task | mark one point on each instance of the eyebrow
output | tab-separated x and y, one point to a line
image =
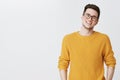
91	15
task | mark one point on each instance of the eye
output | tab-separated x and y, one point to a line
87	15
94	17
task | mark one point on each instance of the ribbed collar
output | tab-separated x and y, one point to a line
86	37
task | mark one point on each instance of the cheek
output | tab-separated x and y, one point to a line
94	23
83	19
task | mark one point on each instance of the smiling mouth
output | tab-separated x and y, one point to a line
89	23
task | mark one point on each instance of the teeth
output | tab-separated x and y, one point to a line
88	23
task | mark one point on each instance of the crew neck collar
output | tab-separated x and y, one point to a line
86	37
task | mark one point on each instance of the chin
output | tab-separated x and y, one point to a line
88	27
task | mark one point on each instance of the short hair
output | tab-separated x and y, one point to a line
92	6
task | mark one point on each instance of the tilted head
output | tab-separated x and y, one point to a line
92	6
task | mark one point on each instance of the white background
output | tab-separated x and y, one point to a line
31	32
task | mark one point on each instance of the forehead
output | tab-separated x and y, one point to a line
91	12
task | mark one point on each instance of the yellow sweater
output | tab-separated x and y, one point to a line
86	56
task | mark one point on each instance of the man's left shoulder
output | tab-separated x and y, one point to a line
102	35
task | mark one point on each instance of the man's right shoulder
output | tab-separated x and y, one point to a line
70	35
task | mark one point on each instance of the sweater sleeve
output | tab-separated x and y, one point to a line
108	53
63	61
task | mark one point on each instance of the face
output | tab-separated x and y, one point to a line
89	18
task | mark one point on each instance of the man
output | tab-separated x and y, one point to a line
87	50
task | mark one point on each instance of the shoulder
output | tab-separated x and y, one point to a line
102	36
70	35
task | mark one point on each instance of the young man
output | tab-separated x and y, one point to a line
87	50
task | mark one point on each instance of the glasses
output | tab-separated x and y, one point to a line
88	16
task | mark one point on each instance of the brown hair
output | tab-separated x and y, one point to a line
92	6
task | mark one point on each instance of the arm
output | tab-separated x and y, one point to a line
109	59
110	72
64	60
63	74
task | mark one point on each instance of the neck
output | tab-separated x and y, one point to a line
86	32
